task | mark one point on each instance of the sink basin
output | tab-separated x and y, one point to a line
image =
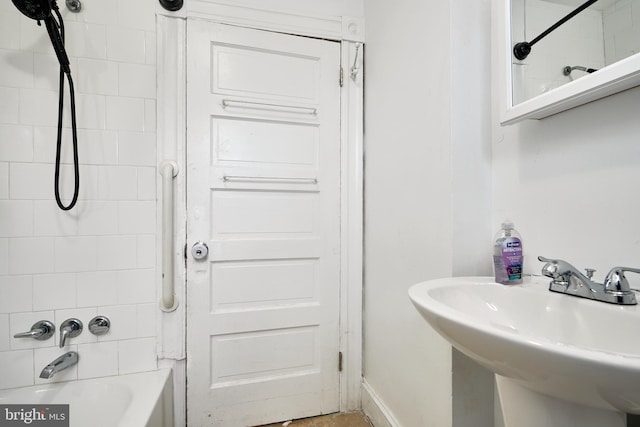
567	349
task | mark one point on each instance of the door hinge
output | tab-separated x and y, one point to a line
341	76
339	361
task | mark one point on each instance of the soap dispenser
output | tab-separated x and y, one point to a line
507	255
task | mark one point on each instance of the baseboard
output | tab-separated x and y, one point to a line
374	408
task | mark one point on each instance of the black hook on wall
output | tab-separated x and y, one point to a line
172	5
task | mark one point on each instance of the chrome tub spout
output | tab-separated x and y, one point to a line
60	364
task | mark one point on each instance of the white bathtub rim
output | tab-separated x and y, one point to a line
147	388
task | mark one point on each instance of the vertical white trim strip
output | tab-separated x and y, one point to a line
171	140
351	233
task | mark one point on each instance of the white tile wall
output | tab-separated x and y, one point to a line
49	220
54	291
98	359
146	320
4	256
5	344
97	288
98	77
4	180
9	26
76	253
621	30
39	107
136	286
18	69
125	113
31	255
17	218
21	372
17	143
137	148
117	252
30	181
45	71
99	218
16	294
137	80
9	105
126	45
137	355
100	257
114	183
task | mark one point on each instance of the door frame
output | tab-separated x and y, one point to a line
171	145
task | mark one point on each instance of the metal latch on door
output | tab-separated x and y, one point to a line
199	251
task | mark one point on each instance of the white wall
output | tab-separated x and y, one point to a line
98	258
568	183
427	201
472	385
407	204
408	212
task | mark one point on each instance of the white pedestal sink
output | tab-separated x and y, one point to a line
560	361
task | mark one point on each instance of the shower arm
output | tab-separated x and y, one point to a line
568	69
521	50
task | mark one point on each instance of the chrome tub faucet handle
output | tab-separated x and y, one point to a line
41	330
70	328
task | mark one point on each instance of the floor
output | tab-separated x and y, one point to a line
350	419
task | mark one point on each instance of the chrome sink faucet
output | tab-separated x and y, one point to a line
60	364
569	280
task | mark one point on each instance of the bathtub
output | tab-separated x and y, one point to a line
134	400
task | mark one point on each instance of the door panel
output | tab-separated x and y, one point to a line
240	72
263	192
254	143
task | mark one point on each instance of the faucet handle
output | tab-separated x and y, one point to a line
554	268
99	325
41	330
616	282
70	328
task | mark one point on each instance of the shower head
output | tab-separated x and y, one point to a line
41	10
34	9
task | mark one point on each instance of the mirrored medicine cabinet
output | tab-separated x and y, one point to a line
593	54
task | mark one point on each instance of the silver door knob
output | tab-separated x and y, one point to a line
199	251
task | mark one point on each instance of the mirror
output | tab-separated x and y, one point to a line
591	55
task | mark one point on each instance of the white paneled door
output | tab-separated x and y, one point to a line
263	195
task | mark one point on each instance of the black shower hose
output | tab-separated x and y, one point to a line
74	131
